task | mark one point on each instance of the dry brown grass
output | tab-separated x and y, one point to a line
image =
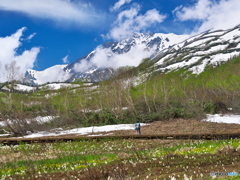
171	127
184	126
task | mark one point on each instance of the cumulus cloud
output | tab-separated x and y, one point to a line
129	21
104	57
8	52
76	12
211	14
126	24
200	11
119	4
52	74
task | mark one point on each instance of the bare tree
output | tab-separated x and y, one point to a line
12	74
14	118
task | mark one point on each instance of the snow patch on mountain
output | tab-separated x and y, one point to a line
56	86
199	43
201	51
20	87
169	52
223	118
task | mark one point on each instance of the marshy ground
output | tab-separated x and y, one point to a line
128	158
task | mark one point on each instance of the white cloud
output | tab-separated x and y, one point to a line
59	11
106	58
212	15
65	59
130	21
8	53
127	22
52	74
119	4
27	59
200	11
31	36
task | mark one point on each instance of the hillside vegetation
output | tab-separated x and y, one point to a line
158	96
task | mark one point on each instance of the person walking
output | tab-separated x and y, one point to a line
138	127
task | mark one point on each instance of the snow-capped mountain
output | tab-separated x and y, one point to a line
210	48
168	51
100	64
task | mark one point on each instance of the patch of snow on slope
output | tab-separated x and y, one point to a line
219	118
214	60
223	57
161	61
90	54
193	38
216	33
39	119
212	49
230	35
181	64
21	87
216	41
173	38
199	68
199	42
56	86
84	131
2	123
44	119
91	71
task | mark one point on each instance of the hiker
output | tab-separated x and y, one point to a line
138	127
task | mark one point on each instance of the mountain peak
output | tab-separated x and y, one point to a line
99	64
168	51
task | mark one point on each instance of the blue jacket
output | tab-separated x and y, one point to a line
137	126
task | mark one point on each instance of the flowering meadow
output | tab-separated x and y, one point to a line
121	159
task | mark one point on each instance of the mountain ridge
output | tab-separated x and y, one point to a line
89	68
210	48
167	51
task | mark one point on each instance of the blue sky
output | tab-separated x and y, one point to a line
42	33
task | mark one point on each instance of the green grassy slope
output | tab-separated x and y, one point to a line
176	94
